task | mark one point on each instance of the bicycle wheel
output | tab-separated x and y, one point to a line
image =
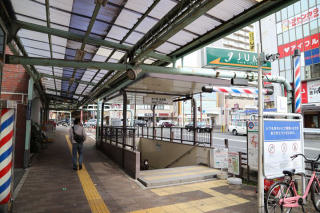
276	192
315	195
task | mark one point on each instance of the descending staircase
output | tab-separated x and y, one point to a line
177	175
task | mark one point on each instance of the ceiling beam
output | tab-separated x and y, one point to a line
54	90
183	14
80	53
255	13
49	37
66	79
76	37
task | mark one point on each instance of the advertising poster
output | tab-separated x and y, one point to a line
282	139
313	91
253	145
234	163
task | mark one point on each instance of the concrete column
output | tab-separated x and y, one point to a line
28	124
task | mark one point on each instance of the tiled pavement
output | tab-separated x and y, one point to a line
52	186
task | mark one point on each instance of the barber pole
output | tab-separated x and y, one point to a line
6	149
234	90
297	82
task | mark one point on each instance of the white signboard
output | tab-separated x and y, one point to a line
220	158
313	91
252	138
234	163
157	100
282	105
282	139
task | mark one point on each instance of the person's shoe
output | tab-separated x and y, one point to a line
75	169
80	167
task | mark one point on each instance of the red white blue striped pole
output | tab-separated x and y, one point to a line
6	149
297	81
236	90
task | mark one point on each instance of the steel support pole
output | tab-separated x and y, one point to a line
194	107
102	122
154	121
124	125
260	148
28	124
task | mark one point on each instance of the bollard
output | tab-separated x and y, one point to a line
226	143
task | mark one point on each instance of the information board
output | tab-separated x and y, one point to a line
220	158
234	163
252	138
282	139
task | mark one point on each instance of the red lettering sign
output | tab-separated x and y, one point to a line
307	43
304	93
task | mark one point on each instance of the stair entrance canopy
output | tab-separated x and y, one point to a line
78	51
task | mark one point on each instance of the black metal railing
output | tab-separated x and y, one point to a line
178	135
119	136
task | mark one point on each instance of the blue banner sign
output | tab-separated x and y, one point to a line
279	131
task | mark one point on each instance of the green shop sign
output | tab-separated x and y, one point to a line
216	57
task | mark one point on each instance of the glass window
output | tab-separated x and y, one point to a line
287	62
279	28
290	11
307	72
297	8
314	27
299	32
281	64
318	1
278	16
303	77
306	30
304	5
312	3
284	14
283	74
286	37
280	41
292	33
289	75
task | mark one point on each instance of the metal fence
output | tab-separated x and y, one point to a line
200	137
119	136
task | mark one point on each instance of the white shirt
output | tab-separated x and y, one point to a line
79	130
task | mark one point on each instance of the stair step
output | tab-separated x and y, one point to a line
178	175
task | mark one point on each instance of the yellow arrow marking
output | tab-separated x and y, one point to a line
217	61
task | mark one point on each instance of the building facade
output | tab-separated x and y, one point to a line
298	28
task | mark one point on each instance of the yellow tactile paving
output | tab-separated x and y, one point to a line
203	186
218	201
95	201
178	175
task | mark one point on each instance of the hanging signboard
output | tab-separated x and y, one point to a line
234	163
282	139
252	140
251	41
157	100
235	59
313	91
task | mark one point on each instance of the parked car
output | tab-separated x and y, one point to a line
162	121
63	123
90	123
167	124
140	123
201	127
238	128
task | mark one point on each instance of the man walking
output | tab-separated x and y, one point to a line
77	136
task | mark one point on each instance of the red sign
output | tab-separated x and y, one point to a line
163	114
307	43
302	18
304	93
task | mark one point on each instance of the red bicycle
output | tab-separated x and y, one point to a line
283	196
